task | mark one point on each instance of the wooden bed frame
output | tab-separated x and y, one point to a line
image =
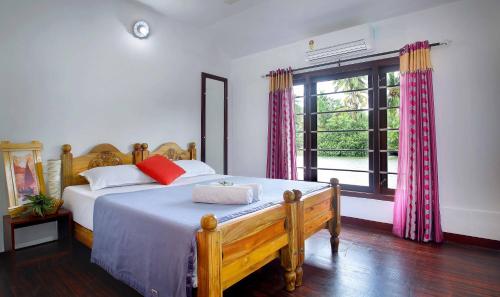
232	250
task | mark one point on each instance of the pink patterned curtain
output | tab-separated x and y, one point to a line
416	205
281	153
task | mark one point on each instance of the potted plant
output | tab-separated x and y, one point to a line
41	205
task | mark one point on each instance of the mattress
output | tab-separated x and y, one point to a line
80	199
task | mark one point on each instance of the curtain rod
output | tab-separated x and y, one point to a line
358	58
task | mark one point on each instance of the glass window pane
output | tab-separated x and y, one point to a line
300	158
298	90
392	181
299	105
299	140
299	123
345	177
340	85
392	162
392	78
324	87
392	96
344	140
342	121
344	160
342	101
393	140
393	118
300	173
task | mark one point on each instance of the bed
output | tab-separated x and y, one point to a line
226	251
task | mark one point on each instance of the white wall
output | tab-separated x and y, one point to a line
70	72
467	103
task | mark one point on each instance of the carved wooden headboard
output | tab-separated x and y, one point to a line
172	151
100	155
108	155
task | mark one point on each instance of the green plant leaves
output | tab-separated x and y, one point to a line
39	205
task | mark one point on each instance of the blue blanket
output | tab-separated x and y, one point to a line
147	238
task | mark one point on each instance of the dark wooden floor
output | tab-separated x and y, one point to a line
369	263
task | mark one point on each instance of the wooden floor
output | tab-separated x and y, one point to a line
369	263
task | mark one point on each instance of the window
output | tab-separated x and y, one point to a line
347	125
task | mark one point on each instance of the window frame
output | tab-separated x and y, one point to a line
377	170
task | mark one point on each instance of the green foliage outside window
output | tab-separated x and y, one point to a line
393	114
351	100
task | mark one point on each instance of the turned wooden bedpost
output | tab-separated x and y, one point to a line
192	150
334	223
289	253
67	166
300	237
145	152
137	153
209	258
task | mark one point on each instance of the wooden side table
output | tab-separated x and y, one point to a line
63	217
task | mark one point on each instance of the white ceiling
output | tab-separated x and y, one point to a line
200	12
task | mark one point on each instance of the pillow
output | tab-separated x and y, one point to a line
194	168
161	169
115	176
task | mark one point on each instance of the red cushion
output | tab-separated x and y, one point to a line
161	169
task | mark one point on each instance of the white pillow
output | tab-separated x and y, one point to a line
115	176
194	168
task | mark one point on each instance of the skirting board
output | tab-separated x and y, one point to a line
448	237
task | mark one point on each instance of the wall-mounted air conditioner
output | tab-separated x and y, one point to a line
340	44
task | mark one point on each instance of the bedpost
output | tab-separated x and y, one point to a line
137	153
334	223
145	152
300	237
192	150
289	254
67	167
209	258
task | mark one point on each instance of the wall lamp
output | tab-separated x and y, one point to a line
141	29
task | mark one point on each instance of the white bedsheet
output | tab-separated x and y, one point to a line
80	199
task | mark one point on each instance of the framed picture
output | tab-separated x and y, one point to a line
23	170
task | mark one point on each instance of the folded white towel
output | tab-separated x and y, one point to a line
257	191
223	194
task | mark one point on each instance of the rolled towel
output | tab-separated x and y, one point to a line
220	194
257	191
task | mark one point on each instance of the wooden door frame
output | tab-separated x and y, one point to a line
204	77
